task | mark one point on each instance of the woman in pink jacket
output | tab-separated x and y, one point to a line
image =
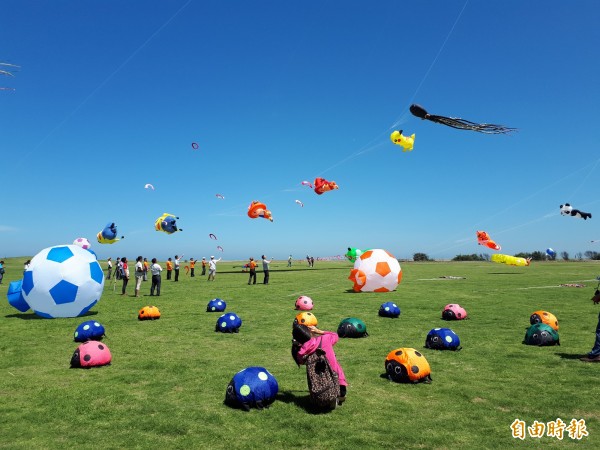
306	341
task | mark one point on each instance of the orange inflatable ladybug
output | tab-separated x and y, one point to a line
306	318
149	313
406	365
544	317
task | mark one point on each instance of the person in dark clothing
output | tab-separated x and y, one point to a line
252	266
265	264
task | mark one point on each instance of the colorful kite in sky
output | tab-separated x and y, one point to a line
461	124
406	142
484	239
300	203
257	209
322	185
167	223
108	235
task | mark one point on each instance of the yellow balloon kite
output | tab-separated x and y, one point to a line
406	142
510	260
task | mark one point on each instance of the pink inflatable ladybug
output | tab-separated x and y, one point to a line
91	354
304	303
454	312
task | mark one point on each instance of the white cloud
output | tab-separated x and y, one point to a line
6	228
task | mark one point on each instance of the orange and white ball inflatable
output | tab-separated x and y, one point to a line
376	270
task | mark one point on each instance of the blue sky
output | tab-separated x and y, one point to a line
110	96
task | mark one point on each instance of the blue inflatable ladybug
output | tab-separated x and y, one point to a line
228	323
389	309
89	331
252	387
216	305
442	339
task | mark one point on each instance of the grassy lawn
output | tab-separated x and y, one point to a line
166	385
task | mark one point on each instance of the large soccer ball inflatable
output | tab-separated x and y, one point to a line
376	271
442	339
89	330
544	317
352	327
304	303
542	335
216	305
251	387
228	323
453	311
83	243
62	281
406	365
389	309
91	354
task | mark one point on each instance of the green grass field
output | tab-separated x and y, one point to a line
166	385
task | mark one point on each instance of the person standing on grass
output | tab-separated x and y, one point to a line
118	269
212	268
265	264
192	266
177	262
203	266
1	271
169	268
108	268
155	270
252	266
290	261
146	268
139	275
124	274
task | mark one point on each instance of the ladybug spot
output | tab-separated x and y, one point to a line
414	369
87	357
418	354
398	353
101	347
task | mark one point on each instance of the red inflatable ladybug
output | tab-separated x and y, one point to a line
91	354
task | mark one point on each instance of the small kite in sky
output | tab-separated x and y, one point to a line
300	203
307	183
219	248
212	236
194	145
322	185
219	196
484	239
149	186
461	124
406	142
257	209
109	234
167	223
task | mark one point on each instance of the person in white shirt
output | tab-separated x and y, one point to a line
155	270
265	264
139	275
212	268
177	261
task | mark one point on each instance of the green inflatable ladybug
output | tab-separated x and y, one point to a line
541	334
352	327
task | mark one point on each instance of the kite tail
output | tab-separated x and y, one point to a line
463	124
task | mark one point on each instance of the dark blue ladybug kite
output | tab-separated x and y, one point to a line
252	387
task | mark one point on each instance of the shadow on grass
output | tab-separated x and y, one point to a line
570	355
301	401
33	316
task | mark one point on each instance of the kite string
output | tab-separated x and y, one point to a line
102	84
585	179
412	99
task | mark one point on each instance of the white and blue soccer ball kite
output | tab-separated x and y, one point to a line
62	281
